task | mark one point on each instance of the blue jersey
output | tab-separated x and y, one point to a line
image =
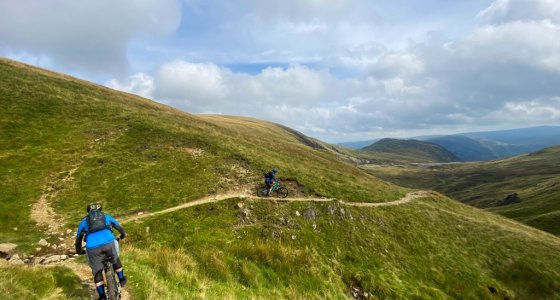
269	177
97	238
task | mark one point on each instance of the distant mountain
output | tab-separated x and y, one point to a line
358	144
465	148
418	151
475	146
526	139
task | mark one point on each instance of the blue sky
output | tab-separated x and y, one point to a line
339	70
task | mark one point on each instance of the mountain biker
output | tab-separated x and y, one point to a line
96	228
270	179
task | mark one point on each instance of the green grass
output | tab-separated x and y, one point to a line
453	251
21	282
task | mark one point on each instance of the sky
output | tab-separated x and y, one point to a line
337	70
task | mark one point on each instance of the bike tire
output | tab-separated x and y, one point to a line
112	285
261	192
282	192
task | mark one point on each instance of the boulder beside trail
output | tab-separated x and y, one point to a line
6	250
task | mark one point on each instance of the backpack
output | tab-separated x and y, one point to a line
95	221
269	175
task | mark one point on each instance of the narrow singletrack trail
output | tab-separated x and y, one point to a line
84	273
221	197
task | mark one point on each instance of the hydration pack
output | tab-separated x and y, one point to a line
95	221
269	175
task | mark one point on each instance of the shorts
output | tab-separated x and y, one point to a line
96	256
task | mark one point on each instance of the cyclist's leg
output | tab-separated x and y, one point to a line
117	265
95	258
268	188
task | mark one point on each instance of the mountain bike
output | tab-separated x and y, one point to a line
281	192
113	286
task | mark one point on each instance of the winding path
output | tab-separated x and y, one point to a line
216	198
84	273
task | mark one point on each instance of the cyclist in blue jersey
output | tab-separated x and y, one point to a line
270	179
96	230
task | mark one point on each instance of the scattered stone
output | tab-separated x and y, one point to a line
140	213
15	229
37	249
239	205
310	214
294	237
68	231
54	259
297	213
61	239
245	216
43	242
147	229
16	260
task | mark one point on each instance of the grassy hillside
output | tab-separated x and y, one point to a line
73	141
432	248
533	177
412	151
64	142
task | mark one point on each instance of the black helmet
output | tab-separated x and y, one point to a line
94	205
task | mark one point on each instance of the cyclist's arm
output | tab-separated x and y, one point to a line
79	237
117	226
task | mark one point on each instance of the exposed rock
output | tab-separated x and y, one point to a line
16	260
310	214
245	216
43	242
239	205
68	231
54	259
297	213
7	249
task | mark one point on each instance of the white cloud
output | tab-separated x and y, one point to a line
90	35
140	84
503	11
533	43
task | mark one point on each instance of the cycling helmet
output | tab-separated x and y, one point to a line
94	205
275	170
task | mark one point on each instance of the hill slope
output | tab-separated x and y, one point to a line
533	177
65	141
412	150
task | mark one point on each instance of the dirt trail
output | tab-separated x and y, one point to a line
216	198
44	215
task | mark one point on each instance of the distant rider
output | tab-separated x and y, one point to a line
96	228
270	179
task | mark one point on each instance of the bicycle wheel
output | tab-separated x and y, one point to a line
261	191
112	287
282	192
